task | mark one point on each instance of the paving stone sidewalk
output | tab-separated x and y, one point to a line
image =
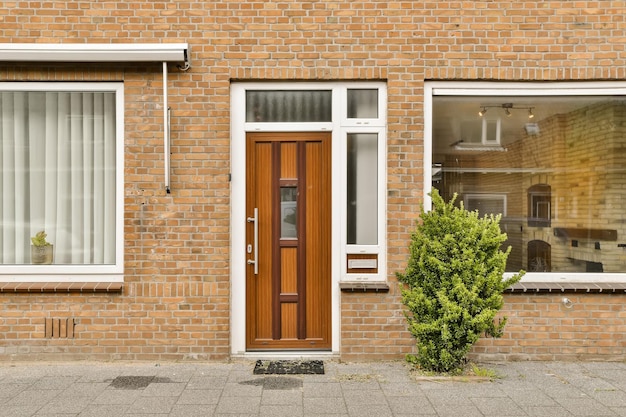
379	389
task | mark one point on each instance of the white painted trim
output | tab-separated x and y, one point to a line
239	127
238	220
63	277
95	52
79	273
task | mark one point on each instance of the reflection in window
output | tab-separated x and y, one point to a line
486	204
288	106
539	196
362	190
362	103
574	143
288	212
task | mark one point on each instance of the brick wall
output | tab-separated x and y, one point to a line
175	303
542	327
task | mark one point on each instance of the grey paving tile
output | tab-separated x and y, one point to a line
236	415
465	410
33	397
543	411
532	397
163	390
368	397
446	397
207	382
619	411
84	389
282	397
359	381
192	410
242	390
10	390
610	398
117	396
321	390
369	410
327	405
281	411
66	405
238	405
143	415
587	407
411	406
152	405
199	397
53	382
104	410
498	407
19	410
236	376
400	389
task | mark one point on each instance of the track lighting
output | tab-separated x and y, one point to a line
507	109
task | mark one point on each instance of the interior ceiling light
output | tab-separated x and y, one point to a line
507	109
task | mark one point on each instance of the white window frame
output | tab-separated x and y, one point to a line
339	127
80	273
379	248
509	89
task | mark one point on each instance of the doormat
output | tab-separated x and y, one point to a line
285	367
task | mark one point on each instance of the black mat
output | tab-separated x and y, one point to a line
285	367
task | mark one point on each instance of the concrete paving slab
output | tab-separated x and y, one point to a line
535	389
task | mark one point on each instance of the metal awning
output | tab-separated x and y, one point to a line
95	52
107	52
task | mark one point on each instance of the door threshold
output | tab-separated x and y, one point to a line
308	355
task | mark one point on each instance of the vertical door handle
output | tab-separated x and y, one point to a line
255	261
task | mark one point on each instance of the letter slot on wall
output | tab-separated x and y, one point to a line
362	264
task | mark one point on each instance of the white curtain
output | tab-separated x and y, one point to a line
57	174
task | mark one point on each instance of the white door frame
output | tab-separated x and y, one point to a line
238	215
239	127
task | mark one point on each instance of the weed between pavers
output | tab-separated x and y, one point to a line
358	377
468	373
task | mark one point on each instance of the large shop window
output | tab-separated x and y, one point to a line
556	173
60	173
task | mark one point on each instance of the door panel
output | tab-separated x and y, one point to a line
289	301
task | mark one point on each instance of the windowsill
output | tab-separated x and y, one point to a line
585	283
61	287
364	286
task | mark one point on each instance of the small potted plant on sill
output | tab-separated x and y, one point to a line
41	250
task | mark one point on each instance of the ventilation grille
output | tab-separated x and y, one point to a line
60	328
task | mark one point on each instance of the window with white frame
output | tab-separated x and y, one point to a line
61	170
560	165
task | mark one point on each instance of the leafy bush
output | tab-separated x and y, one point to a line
454	283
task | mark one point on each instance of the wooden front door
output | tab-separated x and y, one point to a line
288	276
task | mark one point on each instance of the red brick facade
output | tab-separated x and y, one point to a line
175	302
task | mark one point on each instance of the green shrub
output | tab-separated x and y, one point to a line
453	283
